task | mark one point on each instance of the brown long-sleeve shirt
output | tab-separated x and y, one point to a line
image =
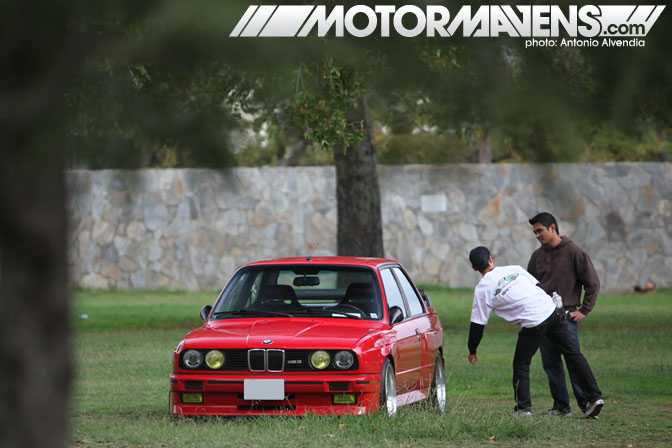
567	269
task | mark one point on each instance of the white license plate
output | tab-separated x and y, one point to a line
264	389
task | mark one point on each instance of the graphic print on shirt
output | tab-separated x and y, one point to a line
504	282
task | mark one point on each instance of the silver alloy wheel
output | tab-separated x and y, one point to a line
439	384
390	390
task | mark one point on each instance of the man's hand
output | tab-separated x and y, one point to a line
577	316
473	358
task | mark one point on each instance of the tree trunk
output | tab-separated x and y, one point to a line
34	308
34	317
360	229
485	147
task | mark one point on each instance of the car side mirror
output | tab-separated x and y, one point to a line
425	297
396	315
205	312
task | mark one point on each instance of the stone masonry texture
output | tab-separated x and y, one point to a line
189	229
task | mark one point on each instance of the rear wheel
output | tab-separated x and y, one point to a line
388	389
438	389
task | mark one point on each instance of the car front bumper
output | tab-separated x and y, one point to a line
223	394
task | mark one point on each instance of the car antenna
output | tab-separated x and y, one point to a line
312	248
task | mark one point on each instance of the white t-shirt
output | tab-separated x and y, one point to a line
512	293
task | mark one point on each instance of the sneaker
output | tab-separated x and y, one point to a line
594	417
522	413
594	408
558	413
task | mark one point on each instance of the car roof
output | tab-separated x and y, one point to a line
334	260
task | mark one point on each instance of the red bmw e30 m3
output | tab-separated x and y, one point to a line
322	335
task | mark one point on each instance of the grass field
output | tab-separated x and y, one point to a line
123	359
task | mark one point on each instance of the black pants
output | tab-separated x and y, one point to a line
555	329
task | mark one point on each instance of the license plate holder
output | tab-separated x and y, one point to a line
264	389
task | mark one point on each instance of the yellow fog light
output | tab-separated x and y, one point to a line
344	399
320	359
192	398
214	359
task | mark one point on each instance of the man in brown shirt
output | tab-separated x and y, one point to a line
563	267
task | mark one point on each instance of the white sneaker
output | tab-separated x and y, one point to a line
594	408
523	413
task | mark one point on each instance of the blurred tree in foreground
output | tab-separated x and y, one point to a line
34	355
44	44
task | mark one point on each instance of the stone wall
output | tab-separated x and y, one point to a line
189	229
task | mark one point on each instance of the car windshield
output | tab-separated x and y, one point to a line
301	291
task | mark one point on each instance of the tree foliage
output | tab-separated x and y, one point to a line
321	110
552	104
146	114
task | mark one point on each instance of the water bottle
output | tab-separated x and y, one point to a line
557	300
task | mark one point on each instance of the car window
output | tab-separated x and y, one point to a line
412	298
243	290
392	292
349	292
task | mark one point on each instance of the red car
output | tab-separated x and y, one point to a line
322	335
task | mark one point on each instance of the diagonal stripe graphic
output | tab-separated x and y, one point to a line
656	11
243	21
286	21
631	14
258	21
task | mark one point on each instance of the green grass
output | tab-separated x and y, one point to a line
123	360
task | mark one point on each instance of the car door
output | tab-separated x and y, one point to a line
423	324
408	336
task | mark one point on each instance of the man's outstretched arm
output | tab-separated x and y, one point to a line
475	336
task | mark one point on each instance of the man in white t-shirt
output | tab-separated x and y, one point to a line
514	295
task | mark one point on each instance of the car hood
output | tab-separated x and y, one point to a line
284	333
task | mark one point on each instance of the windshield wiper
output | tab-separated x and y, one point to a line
330	313
251	312
352	315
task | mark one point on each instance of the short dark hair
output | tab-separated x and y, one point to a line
545	219
479	258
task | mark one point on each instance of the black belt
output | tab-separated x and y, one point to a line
548	319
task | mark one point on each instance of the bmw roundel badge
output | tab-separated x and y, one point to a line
267	341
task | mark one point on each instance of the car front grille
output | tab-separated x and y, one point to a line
275	360
297	361
256	360
266	360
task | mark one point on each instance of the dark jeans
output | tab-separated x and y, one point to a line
529	339
551	359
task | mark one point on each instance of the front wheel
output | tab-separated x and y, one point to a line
438	389
388	390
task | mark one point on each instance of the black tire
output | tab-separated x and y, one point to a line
437	391
388	389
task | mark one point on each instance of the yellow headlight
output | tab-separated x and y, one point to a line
214	359
320	359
